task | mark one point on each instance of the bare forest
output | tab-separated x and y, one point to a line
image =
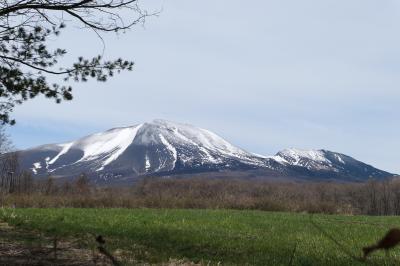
370	198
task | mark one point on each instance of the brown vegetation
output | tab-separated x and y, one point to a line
371	198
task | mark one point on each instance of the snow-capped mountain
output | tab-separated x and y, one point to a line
167	148
325	163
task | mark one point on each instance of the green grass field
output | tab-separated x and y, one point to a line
216	236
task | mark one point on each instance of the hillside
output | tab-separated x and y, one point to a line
166	148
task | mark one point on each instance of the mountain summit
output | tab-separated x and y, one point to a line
167	148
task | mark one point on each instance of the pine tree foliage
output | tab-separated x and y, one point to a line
26	61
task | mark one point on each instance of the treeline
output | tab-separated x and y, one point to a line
12	180
370	198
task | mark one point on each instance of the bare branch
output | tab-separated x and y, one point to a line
25	59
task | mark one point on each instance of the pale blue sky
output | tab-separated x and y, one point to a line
265	75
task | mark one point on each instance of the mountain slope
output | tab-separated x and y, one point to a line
327	164
155	147
166	148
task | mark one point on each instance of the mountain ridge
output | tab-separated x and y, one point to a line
167	148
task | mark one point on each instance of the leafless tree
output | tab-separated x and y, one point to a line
82	186
49	186
26	184
5	141
8	163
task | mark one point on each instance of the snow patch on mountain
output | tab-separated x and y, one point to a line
295	155
187	134
339	158
47	160
278	159
64	150
113	143
108	145
148	164
310	159
211	140
35	167
170	148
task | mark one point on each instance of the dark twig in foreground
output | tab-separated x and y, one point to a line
293	253
105	252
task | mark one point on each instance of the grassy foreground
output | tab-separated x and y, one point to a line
216	236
